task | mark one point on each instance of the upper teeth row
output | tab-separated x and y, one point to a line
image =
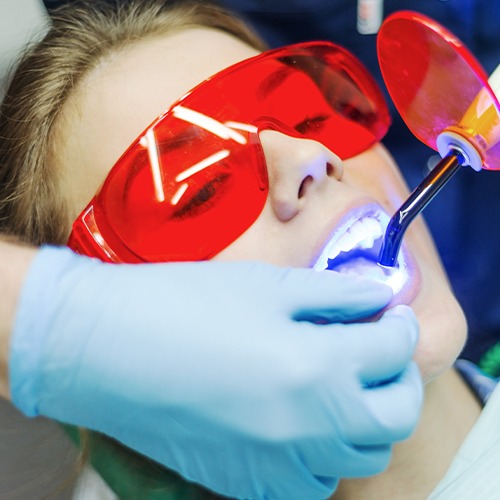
361	234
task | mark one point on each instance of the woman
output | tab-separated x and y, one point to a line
313	197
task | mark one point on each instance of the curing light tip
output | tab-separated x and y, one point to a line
415	203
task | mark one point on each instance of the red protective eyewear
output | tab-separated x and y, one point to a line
196	178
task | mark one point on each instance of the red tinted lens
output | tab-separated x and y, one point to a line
178	190
437	84
196	179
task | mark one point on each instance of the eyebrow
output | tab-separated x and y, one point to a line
273	81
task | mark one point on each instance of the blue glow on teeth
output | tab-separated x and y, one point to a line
358	243
361	234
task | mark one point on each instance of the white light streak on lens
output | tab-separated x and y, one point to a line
247	127
207	162
178	195
213	126
149	141
98	238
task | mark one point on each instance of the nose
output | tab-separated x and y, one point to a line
297	169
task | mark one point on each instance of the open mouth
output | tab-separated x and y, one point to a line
355	248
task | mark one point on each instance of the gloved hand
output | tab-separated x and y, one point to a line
213	369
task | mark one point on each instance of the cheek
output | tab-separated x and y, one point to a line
254	243
268	240
443	331
376	173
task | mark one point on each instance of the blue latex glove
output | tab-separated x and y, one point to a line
205	368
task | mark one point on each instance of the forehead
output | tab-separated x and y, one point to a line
119	98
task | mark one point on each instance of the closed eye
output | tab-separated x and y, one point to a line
202	199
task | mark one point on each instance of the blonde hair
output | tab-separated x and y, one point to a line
82	34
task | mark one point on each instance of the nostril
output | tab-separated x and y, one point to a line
304	184
330	170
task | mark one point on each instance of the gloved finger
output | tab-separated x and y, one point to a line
385	347
327	459
332	297
298	480
392	410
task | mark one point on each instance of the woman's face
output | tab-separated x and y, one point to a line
313	196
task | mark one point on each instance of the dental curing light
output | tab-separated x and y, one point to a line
446	100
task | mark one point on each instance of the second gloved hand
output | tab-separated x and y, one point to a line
216	370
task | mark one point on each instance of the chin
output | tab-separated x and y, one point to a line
443	331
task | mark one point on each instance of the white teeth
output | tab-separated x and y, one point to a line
373	230
362	234
348	239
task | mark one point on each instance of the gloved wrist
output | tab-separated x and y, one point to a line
32	325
